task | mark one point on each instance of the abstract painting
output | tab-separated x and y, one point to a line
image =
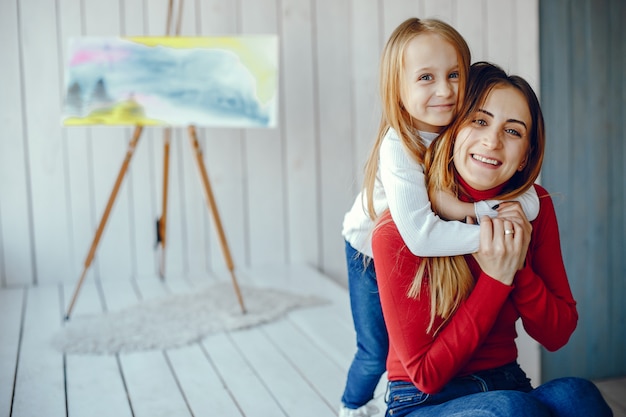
173	81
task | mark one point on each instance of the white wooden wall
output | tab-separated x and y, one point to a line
282	193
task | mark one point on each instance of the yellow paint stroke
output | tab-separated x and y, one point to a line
127	112
258	53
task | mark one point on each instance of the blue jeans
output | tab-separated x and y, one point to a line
372	341
499	392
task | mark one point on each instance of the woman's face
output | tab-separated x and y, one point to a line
430	82
494	143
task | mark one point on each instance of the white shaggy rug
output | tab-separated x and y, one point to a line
177	320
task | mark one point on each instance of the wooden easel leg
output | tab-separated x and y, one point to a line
213	207
162	222
96	239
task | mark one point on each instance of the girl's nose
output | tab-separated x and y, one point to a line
444	88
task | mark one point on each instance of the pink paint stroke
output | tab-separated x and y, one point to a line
88	56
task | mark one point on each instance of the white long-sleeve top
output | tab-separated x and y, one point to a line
401	187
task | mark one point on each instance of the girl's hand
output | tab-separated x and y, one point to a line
503	243
448	207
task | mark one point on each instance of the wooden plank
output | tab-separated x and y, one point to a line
469	20
394	13
255	399
326	330
144	207
439	9
335	124
330	325
264	150
500	25
11	311
204	389
94	385
133	23
367	45
223	151
46	162
109	145
527	42
320	371
40	385
16	255
194	213
277	373
119	294
78	148
185	240
298	109
142	179
152	388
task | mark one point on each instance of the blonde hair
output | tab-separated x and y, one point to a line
390	84
449	278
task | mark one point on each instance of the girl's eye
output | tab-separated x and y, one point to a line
454	75
479	122
426	77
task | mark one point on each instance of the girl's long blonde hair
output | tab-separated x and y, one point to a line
394	115
449	278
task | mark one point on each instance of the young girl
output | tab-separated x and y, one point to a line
423	75
452	320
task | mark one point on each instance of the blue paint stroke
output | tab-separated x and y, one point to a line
199	86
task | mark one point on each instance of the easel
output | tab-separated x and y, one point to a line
161	222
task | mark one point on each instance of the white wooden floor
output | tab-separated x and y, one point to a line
293	367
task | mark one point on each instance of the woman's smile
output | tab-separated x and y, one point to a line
494	144
486	160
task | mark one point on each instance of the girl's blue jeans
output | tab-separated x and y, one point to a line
499	392
369	362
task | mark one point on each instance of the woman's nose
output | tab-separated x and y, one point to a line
491	139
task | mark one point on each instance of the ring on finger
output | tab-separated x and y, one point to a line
509	231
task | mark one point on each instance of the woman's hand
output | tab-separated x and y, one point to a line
504	242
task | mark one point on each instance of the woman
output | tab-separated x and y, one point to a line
451	320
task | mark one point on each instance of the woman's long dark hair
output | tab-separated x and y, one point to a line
449	278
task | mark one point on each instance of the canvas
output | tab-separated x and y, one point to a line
173	81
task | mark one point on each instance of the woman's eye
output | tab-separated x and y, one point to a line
513	132
479	122
454	75
426	77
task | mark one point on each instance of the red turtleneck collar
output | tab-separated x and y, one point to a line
476	195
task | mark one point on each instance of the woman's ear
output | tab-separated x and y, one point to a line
523	164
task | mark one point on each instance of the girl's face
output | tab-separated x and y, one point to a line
493	145
430	82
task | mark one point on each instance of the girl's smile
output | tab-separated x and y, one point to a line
430	82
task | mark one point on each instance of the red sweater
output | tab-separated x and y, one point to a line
481	334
